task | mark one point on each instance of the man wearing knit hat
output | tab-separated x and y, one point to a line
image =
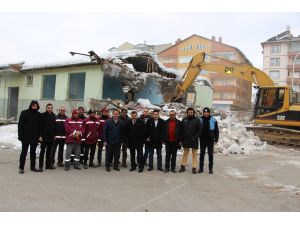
209	136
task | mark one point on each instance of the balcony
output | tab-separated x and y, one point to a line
297	67
292	54
296	81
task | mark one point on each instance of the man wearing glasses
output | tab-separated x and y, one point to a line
60	137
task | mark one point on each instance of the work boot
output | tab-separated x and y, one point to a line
160	169
194	171
52	167
99	164
124	165
210	169
166	170
21	171
182	169
174	171
92	165
132	169
200	170
67	166
36	170
60	164
150	169
107	169
140	170
77	166
85	166
116	168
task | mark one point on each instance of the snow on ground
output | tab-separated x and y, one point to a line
235	139
9	136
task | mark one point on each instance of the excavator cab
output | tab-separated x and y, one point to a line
270	99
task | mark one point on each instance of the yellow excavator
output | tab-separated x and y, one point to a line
274	105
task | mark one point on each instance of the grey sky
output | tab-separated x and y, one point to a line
42	37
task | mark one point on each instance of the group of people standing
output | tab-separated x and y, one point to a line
143	135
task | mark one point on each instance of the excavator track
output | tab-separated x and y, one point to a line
277	135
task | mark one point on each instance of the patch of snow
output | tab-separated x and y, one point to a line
146	103
9	136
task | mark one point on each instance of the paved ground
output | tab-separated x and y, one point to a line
268	181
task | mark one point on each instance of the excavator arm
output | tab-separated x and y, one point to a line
226	67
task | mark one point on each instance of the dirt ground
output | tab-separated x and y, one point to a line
265	181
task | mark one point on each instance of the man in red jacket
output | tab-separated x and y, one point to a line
93	131
74	131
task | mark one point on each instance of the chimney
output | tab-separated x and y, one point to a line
220	39
177	41
213	38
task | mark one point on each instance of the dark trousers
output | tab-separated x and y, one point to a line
150	151
124	153
82	148
171	154
99	154
87	149
24	154
60	142
209	144
112	150
45	147
136	152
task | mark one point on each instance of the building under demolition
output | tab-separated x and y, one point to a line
117	78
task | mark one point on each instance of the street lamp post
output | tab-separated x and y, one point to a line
294	69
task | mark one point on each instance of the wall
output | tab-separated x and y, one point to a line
203	96
93	88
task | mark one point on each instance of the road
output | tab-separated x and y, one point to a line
265	181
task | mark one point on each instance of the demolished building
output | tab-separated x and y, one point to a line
120	76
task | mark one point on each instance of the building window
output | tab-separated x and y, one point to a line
49	86
275	49
274	74
29	80
275	62
185	59
76	86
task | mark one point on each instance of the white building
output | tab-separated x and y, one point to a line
279	53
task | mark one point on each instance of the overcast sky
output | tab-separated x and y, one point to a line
42	37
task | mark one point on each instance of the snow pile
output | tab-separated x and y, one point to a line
9	136
145	103
235	139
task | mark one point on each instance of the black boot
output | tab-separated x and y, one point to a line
77	166
67	166
200	170
36	170
182	169
194	171
92	165
210	169
21	171
107	169
85	166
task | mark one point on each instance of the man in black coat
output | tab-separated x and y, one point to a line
125	118
29	131
48	133
135	135
145	117
172	138
60	137
210	135
192	129
113	137
154	127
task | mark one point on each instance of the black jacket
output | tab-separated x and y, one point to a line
154	133
60	131
165	133
48	126
29	126
135	133
192	129
210	129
